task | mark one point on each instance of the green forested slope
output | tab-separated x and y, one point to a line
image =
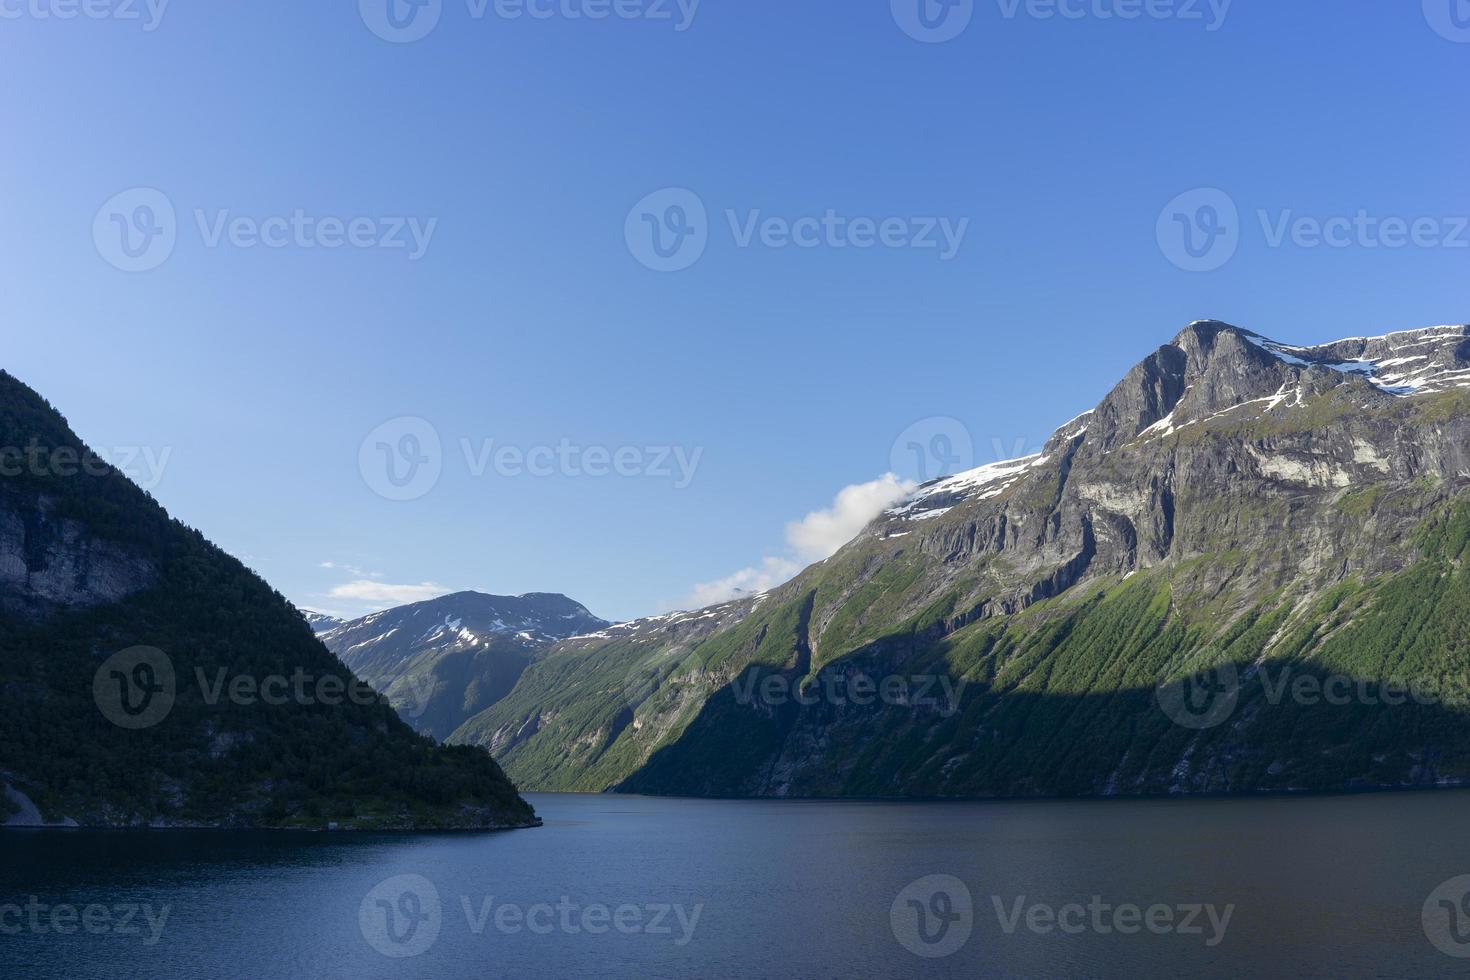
241	762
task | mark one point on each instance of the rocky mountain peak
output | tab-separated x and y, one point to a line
469	617
1208	367
1211	368
443	659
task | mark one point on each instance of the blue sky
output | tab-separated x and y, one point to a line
485	188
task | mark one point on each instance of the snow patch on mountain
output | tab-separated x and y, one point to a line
937	498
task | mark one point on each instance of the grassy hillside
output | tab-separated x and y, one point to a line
1063	698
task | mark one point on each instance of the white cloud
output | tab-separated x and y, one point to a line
386	594
821	533
816	536
767	575
350	569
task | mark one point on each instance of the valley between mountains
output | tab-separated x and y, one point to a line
1239	523
1244	570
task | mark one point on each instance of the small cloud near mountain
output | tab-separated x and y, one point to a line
385	594
815	537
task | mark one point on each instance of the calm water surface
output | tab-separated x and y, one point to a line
638	887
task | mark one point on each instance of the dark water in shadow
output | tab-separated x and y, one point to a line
640	887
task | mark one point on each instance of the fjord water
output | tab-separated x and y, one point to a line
1320	886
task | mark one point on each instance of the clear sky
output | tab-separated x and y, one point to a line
997	240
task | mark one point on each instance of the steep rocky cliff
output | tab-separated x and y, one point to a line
1114	615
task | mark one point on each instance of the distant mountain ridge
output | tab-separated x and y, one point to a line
443	660
320	622
1234	507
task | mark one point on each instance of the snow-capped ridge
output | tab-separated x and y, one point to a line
937	497
1403	363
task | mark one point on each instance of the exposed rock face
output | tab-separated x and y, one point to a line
48	563
1226	483
1214	443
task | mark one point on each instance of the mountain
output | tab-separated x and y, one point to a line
444	660
321	622
149	679
1223	578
